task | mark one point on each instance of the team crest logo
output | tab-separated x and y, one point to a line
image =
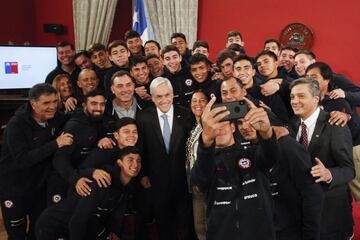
56	198
8	204
244	163
188	82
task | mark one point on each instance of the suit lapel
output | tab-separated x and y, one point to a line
320	124
175	129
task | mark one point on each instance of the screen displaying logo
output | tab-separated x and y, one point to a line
11	68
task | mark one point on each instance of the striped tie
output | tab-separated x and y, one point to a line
304	136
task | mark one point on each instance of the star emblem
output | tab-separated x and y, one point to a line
135	17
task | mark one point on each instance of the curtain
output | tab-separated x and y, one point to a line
169	16
93	20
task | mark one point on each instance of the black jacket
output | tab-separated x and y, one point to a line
186	57
166	170
275	101
239	202
298	199
342	105
209	86
101	73
87	217
292	74
98	158
86	134
182	84
58	70
332	144
143	103
27	151
106	205
352	92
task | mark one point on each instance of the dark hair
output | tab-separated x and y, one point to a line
117	43
94	93
308	53
150	56
64	44
136	59
200	43
274	41
176	35
153	41
198	57
233	34
131	34
223	55
289	48
120	74
95	47
169	48
40	89
313	85
200	90
236	48
82	53
325	70
128	150
238	81
244	57
124	121
266	52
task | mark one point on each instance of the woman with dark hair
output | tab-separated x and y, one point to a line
198	102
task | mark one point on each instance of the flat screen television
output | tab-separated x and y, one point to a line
21	67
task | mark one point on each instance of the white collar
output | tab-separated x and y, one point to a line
311	120
169	113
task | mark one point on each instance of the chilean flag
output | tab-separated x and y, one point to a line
11	68
141	21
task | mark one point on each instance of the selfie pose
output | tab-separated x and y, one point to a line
239	204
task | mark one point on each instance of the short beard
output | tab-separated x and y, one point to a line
94	118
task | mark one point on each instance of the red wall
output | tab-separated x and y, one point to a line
17	22
335	25
22	21
59	12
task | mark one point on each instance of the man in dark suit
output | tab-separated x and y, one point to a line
330	147
163	131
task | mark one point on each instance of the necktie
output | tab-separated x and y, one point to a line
304	136
166	132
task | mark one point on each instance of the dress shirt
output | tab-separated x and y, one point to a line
170	116
310	123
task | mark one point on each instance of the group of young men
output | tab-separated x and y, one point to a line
282	171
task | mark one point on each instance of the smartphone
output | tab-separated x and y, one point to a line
238	109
